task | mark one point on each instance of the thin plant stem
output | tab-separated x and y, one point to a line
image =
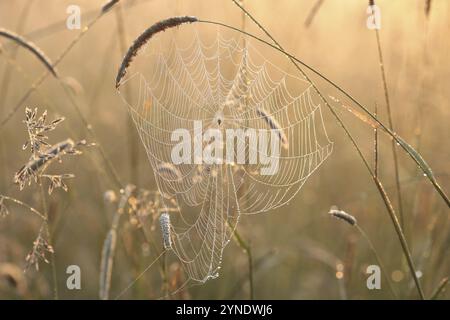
46	73
375	146
401	236
439	289
378	183
23	204
164	274
49	239
6	80
131	133
391	127
377	257
248	250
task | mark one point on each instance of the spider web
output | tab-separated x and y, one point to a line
186	76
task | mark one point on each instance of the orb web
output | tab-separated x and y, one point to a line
225	82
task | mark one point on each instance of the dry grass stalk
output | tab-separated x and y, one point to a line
36	51
4	211
391	126
428	8
440	289
145	37
296	62
132	136
364	118
107	6
313	12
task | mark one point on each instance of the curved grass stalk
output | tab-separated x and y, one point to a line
131	132
44	76
26	206
5	83
30	46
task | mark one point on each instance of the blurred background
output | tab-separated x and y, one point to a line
299	252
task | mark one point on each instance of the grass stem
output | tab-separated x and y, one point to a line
248	250
391	127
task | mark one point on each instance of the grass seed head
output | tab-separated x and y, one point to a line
145	37
342	215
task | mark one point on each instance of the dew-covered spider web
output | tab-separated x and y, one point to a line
225	81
